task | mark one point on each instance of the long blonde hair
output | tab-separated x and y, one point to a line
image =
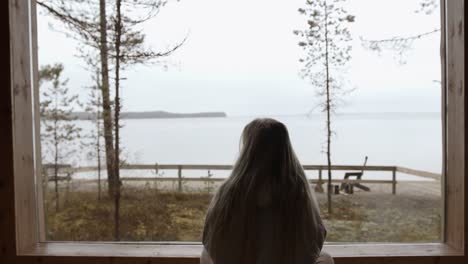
267	173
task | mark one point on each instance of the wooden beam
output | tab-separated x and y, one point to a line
199	179
443	104
455	163
214	167
7	198
37	125
23	127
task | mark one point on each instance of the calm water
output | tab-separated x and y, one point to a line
410	140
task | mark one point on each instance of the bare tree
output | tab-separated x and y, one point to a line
325	42
87	22
56	108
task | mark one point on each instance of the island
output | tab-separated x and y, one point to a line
153	115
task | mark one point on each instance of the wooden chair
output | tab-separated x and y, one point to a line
349	187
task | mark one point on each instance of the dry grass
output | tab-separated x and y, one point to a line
145	216
149	215
383	218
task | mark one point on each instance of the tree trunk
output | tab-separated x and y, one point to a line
56	183
56	157
98	104
98	151
328	106
118	30
106	104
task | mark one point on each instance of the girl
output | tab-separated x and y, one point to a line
265	212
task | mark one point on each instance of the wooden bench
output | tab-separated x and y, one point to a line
349	187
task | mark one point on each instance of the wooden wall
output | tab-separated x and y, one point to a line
7	212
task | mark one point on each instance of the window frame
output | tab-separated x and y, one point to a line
21	216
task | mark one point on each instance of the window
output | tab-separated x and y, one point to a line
386	92
25	148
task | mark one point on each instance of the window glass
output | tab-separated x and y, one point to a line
192	74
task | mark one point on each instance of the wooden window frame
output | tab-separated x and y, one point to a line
21	238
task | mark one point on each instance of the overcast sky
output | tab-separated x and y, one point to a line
241	57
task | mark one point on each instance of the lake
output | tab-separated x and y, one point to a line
411	140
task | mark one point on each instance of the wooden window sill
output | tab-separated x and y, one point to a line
184	250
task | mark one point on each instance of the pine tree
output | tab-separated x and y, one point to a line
56	106
326	45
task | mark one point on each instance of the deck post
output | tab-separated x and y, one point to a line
394	181
318	186
320	176
179	168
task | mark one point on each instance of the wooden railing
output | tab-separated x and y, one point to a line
68	170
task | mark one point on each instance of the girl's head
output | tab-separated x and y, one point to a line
266	155
267	177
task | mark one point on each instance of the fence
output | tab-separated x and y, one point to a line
66	171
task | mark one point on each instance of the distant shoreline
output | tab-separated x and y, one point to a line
153	115
170	115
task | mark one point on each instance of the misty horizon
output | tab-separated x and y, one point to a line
249	67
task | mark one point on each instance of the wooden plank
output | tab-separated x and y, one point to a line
176	167
455	163
177	179
167	250
49	166
25	190
200	179
420	173
431	259
339	250
350	167
193	250
229	167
